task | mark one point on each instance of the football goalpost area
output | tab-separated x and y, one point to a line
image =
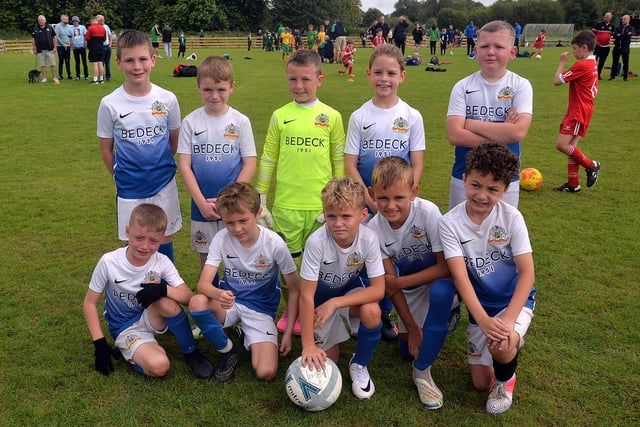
557	34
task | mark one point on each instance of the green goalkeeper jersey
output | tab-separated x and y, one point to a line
307	146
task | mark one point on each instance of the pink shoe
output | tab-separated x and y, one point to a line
282	323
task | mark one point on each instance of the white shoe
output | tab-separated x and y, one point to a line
43	80
361	385
430	394
500	396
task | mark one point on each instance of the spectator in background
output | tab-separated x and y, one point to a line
621	42
400	34
166	40
77	33
106	61
63	46
518	32
383	26
471	33
434	36
418	35
95	37
603	31
43	42
155	39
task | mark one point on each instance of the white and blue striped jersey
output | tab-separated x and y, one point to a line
216	146
337	270
139	126
251	274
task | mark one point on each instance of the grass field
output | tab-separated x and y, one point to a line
581	364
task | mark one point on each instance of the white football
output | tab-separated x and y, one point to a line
310	389
538	57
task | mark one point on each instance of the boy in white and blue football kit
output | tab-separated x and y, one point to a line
417	277
216	148
486	244
253	257
138	129
143	294
334	258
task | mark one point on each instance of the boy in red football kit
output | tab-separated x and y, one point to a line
583	87
347	59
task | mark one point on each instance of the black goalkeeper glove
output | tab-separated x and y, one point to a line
150	293
104	352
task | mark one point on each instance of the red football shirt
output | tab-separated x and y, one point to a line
583	88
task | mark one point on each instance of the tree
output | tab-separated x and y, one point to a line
372	14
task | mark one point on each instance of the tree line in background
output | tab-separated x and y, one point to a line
17	16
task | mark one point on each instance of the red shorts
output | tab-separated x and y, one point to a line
573	127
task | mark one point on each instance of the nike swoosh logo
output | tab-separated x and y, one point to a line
330	262
122	116
386	245
231	257
121	281
289	121
471	91
368	126
199	133
466	241
367	388
270	333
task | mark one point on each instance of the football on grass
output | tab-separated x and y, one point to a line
530	179
310	389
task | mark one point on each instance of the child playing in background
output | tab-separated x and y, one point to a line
416	273
583	87
250	290
385	124
378	39
143	293
538	45
347	59
305	140
138	129
182	44
486	245
335	256
215	148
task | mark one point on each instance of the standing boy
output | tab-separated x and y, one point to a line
486	245
416	273
138	129
143	295
216	148
250	290
334	258
305	140
493	104
583	87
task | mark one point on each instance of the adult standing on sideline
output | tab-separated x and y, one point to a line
621	42
603	31
400	34
155	39
63	46
77	33
384	26
95	37
339	34
166	40
43	41
106	47
434	36
518	32
471	32
418	35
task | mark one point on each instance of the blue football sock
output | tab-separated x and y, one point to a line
404	350
435	328
167	249
211	329
368	340
386	305
137	368
181	328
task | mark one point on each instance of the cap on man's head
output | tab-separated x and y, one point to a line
75	18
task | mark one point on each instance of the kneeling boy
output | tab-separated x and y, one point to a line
334	257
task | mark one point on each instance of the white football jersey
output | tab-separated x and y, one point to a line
337	270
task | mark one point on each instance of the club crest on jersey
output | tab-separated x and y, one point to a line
506	94
158	109
322	120
262	262
231	131
355	260
152	277
401	125
201	238
498	235
417	231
